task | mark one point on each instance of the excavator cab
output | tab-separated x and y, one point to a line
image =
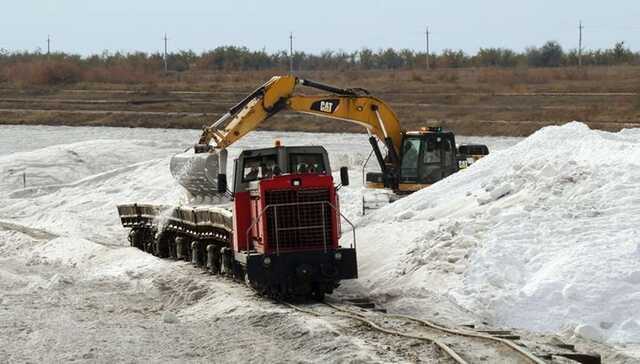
426	158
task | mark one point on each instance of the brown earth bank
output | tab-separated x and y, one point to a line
471	101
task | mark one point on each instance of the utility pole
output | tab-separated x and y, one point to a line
291	53
48	45
166	69
427	37
580	27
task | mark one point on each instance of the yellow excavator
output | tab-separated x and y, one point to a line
408	160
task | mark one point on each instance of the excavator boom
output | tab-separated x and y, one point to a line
278	94
197	170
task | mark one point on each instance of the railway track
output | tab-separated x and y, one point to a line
473	347
456	344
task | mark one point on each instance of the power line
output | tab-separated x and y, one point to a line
613	27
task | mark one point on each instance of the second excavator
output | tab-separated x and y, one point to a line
408	160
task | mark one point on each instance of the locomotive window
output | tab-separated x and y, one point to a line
258	167
306	163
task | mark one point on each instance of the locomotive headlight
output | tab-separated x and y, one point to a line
267	261
338	256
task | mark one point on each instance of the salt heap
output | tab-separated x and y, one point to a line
544	235
73	189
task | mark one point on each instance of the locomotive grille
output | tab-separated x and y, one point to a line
299	219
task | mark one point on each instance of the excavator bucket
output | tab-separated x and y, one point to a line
198	172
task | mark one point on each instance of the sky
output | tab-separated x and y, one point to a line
88	27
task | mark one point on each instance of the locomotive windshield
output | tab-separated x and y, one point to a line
259	167
306	163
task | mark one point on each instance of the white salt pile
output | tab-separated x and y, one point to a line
544	235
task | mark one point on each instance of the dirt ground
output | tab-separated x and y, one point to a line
512	102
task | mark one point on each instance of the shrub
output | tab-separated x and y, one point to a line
497	57
550	55
452	59
416	77
120	74
45	73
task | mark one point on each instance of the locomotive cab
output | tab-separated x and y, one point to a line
287	223
261	164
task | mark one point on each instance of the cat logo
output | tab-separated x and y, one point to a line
326	106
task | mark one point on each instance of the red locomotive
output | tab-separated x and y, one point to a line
283	237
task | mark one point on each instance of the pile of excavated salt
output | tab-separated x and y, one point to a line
65	163
72	189
543	235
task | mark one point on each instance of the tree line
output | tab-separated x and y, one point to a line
70	67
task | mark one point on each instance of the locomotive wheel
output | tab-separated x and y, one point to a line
183	248
213	259
226	265
135	239
221	260
187	250
162	245
149	244
199	253
195	248
202	254
171	247
317	295
259	288
139	243
141	239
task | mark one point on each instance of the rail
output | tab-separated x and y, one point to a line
447	349
524	353
275	207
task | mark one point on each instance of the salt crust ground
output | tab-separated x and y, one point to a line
540	235
71	289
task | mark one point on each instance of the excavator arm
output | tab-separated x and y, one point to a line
278	94
198	170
